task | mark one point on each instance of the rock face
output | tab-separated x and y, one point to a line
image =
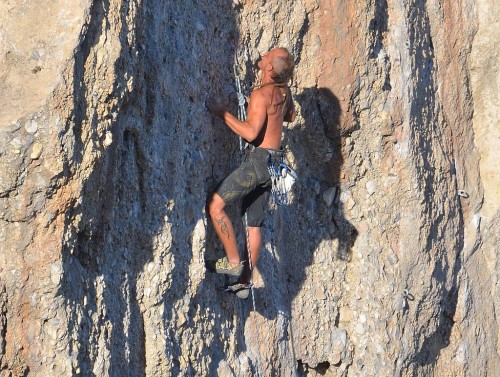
385	264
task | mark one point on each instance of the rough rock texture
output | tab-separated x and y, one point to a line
385	264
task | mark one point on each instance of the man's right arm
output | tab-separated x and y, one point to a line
250	128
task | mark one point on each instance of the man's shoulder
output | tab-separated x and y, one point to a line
258	93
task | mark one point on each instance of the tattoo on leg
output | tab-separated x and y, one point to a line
223	226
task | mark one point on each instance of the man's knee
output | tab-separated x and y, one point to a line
214	204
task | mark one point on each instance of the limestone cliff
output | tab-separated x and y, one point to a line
386	262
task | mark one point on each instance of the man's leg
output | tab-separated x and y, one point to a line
223	228
255	241
254	206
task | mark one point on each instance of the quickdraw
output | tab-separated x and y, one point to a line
283	178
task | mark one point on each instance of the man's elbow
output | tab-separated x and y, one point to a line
251	133
251	136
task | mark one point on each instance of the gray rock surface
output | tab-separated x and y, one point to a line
381	266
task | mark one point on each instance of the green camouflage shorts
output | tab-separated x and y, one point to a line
250	182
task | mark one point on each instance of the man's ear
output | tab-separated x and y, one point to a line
269	67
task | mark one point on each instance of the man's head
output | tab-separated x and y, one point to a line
279	64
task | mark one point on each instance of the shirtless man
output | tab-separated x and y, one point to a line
269	105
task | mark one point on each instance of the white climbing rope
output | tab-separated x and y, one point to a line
283	178
242	115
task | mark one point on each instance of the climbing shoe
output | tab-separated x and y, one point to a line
241	290
222	266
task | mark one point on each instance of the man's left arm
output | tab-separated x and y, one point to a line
290	111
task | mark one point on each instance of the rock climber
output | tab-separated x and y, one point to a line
270	104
